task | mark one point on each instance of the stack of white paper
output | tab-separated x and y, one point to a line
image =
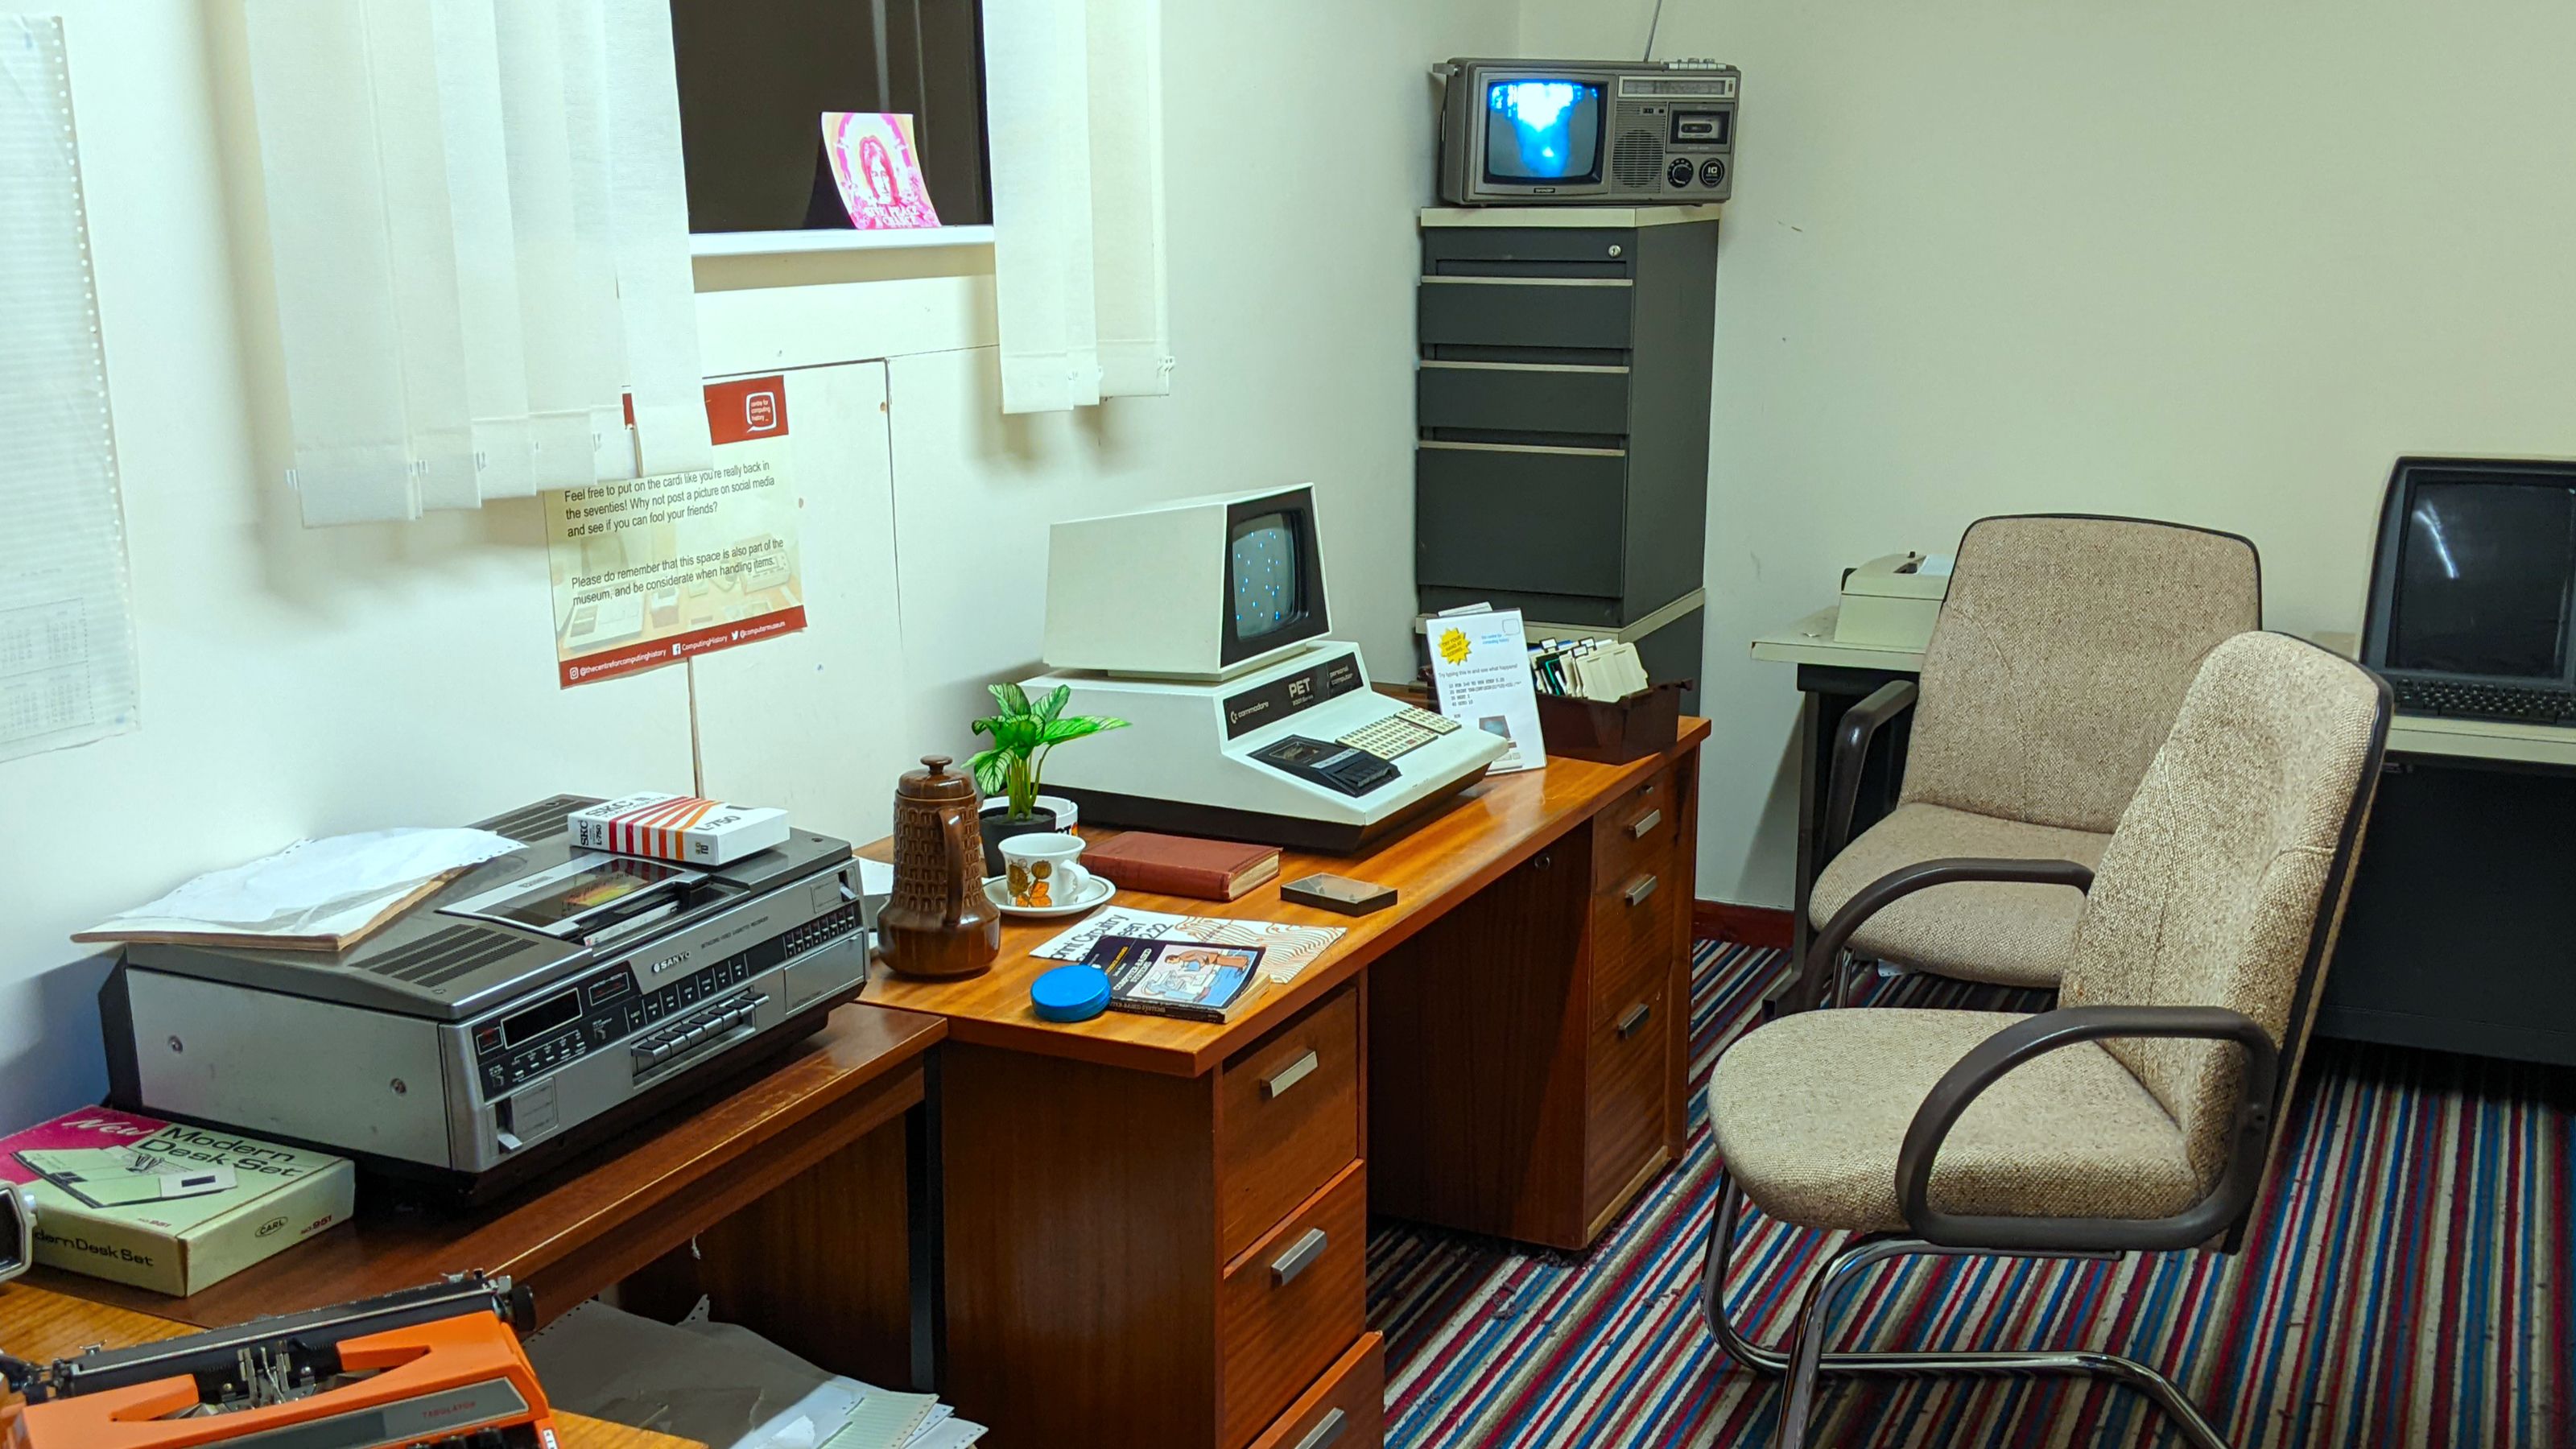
725	1386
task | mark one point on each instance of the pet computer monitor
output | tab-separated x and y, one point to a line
2475	575
1204	588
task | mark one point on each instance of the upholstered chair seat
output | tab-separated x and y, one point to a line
2008	933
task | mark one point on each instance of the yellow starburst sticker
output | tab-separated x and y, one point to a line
1453	646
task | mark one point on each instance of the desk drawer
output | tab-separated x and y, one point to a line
1634	938
1625	1103
1634	835
1345	1409
1292	1306
1288	1118
1587	312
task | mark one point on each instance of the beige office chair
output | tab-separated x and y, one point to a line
2054	670
2137	1115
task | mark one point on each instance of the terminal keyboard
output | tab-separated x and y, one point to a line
2486	701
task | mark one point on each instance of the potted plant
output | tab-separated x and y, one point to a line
1009	773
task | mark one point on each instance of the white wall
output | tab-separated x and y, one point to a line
2206	261
306	682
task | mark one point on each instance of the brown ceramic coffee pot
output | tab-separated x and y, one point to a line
939	922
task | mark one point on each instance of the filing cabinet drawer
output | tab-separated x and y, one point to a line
1522	397
1635	834
1633	942
1532	250
1291	1307
1624	1110
1537	312
1288	1118
1472	503
1345	1409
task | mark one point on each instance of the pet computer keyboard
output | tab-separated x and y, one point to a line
1407	729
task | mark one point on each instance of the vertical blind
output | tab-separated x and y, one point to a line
477	219
1074	96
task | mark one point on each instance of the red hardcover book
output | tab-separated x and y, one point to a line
1181	865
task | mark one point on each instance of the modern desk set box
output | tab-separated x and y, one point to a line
166	1206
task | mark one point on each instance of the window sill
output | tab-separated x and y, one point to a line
778	243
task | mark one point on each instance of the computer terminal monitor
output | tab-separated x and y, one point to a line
1204	588
2474	583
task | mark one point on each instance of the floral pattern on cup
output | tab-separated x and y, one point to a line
1031	883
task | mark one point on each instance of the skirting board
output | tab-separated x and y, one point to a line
1746	925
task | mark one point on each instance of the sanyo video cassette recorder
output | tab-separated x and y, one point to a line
536	1005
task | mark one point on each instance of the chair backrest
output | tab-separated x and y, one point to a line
2225	882
2060	655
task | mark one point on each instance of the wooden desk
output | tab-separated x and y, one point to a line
1158	1228
795	1149
41	1324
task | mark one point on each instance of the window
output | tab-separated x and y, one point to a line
756	76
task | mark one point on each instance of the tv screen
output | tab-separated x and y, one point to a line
1263	561
2483	577
1540	130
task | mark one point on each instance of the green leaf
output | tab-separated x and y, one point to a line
1013	699
1055	702
1058	731
989	725
988	767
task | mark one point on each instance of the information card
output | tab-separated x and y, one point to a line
651	571
1480	668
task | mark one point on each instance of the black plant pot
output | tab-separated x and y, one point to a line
998	826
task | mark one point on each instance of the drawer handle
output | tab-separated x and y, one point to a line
1633	1018
1327	1430
1297	1259
1641	888
1277	1083
1644	825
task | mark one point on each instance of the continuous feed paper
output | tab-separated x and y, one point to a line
67	671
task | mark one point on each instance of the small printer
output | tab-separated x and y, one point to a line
1891	602
537	1004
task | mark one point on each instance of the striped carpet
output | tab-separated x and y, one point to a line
2409	1285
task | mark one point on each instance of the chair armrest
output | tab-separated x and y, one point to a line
1860	724
1897	884
2227	1200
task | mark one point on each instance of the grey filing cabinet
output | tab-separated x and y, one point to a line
1562	404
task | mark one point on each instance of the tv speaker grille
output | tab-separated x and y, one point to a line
1636	158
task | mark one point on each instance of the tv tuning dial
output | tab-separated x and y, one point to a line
1679	173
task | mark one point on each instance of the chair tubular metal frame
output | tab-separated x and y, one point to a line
1804	1358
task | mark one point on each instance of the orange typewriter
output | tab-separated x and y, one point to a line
434	1366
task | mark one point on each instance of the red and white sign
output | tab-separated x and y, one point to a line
653	571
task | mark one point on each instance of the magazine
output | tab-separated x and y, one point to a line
1284	949
1188	979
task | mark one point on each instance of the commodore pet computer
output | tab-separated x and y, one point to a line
1202	624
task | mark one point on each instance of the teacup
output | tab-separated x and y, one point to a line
1044	869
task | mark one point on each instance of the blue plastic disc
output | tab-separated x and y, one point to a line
1070	993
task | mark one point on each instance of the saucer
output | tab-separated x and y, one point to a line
996	890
